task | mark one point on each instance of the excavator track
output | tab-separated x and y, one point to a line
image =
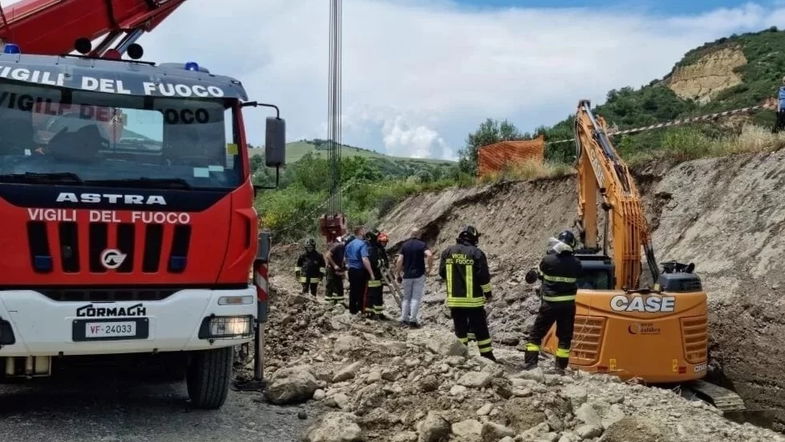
724	399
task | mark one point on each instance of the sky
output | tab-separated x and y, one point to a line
419	75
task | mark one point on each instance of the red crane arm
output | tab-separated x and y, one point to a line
51	26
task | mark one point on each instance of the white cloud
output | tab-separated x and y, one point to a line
418	76
417	141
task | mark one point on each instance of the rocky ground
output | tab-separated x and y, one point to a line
375	381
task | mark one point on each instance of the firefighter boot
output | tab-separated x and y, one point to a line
561	364
530	359
489	355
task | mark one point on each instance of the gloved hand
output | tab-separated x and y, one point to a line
532	276
488	296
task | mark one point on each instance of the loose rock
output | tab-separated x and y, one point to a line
334	427
291	386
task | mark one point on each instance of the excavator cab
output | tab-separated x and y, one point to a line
597	273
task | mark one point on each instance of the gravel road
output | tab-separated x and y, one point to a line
113	406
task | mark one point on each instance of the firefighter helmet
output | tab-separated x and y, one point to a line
469	234
371	236
568	238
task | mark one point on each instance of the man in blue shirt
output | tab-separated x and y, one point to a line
359	269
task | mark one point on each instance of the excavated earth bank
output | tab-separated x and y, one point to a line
727	215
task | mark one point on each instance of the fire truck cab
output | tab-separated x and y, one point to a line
126	215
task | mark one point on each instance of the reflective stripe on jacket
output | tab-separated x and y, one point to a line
310	265
465	270
559	274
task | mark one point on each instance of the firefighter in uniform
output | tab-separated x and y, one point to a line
374	304
310	268
559	271
336	270
464	268
383	240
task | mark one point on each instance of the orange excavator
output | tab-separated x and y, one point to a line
627	325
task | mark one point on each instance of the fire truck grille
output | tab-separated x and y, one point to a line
107	295
73	248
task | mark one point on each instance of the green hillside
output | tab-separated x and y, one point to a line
388	165
627	107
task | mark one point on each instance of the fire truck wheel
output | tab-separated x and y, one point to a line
208	377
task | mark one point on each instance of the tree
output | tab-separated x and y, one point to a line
490	131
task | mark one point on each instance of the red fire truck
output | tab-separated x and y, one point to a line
126	214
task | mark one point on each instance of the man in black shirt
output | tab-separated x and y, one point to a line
410	266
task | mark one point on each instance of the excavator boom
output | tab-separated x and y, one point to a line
50	27
601	171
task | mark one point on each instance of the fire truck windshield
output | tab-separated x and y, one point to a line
51	135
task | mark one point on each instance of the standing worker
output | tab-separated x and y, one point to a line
465	269
382	240
310	268
559	271
780	124
359	269
410	268
373	303
336	270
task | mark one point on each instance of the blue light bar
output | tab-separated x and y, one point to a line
11	48
192	66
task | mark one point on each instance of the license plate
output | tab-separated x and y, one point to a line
111	329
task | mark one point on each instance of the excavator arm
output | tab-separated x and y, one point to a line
51	27
602	172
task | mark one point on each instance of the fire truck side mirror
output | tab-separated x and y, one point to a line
275	142
265	243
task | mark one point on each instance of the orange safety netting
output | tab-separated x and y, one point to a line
499	156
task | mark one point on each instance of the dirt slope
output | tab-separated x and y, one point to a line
725	214
708	76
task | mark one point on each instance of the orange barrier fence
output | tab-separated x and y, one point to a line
499	156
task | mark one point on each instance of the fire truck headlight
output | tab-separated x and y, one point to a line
226	327
235	300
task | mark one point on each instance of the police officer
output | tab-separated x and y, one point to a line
310	268
559	271
359	270
465	269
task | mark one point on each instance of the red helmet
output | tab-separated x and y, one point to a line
382	238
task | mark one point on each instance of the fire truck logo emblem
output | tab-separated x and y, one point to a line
112	258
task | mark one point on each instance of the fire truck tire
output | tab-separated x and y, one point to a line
208	377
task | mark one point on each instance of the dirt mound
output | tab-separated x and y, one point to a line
377	381
725	214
